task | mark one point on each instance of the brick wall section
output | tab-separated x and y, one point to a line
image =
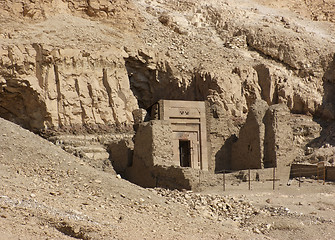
153	157
221	136
153	144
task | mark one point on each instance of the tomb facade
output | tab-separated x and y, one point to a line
171	148
189	135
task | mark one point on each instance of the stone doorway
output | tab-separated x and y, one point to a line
185	153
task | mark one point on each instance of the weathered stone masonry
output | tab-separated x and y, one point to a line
265	140
171	149
189	138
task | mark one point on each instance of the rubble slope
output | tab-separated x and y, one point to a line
46	193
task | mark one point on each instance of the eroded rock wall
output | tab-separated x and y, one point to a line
248	151
279	151
210	57
65	87
265	140
69	64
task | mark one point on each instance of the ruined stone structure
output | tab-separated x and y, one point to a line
172	148
265	140
247	152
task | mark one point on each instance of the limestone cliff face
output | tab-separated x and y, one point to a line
79	63
47	87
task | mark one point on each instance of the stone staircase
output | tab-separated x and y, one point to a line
92	148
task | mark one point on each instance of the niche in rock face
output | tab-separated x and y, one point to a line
150	83
20	104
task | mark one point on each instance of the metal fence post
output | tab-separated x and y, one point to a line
299	177
224	180
249	178
199	178
324	174
274	178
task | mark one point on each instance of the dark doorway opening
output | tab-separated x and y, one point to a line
185	153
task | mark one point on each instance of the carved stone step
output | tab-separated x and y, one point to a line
93	152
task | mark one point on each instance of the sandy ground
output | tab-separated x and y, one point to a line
46	193
312	198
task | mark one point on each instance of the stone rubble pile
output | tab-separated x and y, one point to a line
213	207
277	211
222	208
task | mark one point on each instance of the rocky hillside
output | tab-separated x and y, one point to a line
46	193
84	66
90	63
